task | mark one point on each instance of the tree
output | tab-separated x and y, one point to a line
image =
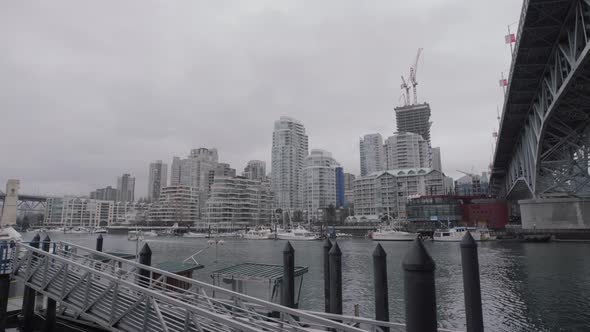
298	216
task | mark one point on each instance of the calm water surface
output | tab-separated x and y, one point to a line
525	286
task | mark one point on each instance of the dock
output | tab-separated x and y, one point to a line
117	294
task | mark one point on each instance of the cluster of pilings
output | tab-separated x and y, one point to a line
419	284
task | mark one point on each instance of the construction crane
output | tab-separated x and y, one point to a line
406	87
413	72
471	175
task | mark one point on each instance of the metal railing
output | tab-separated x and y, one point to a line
123	295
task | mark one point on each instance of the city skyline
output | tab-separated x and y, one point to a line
156	114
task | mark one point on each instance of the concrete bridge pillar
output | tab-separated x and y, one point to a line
10	202
555	213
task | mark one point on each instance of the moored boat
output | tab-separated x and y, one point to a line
99	230
456	234
259	234
135	236
298	234
392	235
196	235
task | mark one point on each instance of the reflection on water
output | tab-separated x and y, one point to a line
525	286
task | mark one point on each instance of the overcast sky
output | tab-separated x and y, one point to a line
92	89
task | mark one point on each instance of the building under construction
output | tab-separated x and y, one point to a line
414	119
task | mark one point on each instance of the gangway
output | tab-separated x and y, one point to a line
122	295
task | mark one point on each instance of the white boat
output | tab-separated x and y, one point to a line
456	234
99	230
135	236
259	234
343	235
57	230
150	233
297	234
196	235
78	230
226	234
392	234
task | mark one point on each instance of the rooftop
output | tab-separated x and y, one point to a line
256	272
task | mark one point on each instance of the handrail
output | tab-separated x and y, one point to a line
140	289
218	290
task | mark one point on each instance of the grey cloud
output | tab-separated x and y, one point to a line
89	90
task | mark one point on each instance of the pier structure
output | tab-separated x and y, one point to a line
121	295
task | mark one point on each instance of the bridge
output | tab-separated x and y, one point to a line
12	201
542	156
121	295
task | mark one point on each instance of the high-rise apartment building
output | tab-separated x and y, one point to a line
289	149
175	171
239	201
340	187
372	155
223	170
436	162
406	150
157	179
319	182
196	171
105	194
255	170
348	181
126	188
414	119
348	189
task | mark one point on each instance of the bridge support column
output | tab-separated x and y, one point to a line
555	213
8	216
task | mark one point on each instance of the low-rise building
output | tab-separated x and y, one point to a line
240	201
176	204
73	211
436	211
387	192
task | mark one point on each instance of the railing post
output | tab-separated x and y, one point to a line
288	286
99	241
335	279
50	310
471	284
28	309
380	281
327	246
145	258
419	290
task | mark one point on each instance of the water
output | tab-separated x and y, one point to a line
525	286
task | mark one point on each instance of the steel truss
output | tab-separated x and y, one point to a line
117	296
551	156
